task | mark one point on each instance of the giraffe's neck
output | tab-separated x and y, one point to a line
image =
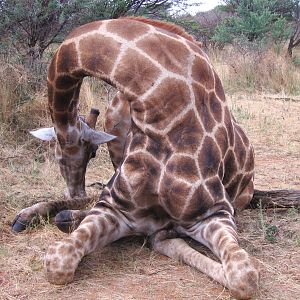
126	57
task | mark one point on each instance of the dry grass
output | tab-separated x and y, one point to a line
128	269
274	128
253	71
12	78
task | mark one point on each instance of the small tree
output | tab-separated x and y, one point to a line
255	20
32	25
207	24
295	36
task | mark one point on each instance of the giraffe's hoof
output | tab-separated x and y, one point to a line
59	278
243	279
20	223
64	221
61	262
68	220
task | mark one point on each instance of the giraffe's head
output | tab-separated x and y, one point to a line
74	148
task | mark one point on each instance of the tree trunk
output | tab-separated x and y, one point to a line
276	199
290	47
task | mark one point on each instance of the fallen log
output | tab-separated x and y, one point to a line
275	199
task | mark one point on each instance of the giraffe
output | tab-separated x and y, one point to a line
117	122
186	164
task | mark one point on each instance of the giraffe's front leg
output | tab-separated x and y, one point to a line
68	220
31	215
101	227
219	234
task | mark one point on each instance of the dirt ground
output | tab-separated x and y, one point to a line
128	269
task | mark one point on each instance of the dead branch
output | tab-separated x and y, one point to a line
282	98
276	199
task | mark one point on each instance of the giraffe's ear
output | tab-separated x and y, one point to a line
97	137
100	137
45	134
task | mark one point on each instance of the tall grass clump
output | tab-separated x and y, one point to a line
23	95
260	70
22	82
13	81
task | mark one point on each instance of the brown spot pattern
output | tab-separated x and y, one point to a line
139	75
234	186
65	82
63	99
101	60
249	165
215	188
166	102
242	135
215	107
202	105
171	54
209	158
201	72
239	151
127	30
138	141
229	166
229	126
157	146
219	88
222	139
173	195
200	202
67	59
142	173
183	167
84	29
186	134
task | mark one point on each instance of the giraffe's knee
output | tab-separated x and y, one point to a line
61	261
242	273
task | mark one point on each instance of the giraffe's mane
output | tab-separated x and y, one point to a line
166	26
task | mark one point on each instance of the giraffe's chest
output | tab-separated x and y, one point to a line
176	178
155	193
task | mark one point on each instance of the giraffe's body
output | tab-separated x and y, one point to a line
186	164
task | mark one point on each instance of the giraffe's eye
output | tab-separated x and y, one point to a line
94	149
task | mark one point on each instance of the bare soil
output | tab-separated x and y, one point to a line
128	269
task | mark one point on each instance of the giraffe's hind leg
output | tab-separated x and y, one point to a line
166	242
219	234
101	227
